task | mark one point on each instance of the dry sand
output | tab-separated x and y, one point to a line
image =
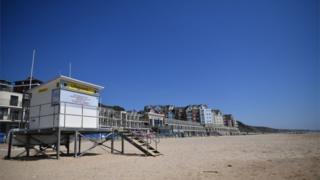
276	156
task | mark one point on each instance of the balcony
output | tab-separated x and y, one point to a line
10	114
10	119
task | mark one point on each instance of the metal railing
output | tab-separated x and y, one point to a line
105	121
188	126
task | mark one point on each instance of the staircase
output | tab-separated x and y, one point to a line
140	143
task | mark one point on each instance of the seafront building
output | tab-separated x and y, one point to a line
180	113
115	116
229	120
109	116
14	102
217	118
205	115
193	120
193	113
154	118
10	107
134	120
184	128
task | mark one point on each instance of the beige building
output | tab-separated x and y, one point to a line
154	119
217	117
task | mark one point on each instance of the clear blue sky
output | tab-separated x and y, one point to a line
258	60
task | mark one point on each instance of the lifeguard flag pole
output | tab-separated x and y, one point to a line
32	64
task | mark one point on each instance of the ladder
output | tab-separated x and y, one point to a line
143	143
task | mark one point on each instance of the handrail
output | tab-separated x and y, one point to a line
149	138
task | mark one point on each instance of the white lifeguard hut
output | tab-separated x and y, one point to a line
64	102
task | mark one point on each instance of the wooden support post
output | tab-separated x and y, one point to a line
10	145
122	144
58	142
75	143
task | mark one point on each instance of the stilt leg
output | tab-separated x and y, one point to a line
28	145
10	145
122	144
75	143
112	139
79	145
58	143
68	144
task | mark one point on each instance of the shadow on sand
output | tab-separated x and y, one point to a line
53	156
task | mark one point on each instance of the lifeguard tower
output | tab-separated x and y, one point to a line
65	103
65	110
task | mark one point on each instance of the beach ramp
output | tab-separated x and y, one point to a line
142	142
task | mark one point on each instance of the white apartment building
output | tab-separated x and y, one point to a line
206	115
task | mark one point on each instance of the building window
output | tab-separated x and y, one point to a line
3	113
15	114
14	101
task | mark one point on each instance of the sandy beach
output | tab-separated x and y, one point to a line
274	156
